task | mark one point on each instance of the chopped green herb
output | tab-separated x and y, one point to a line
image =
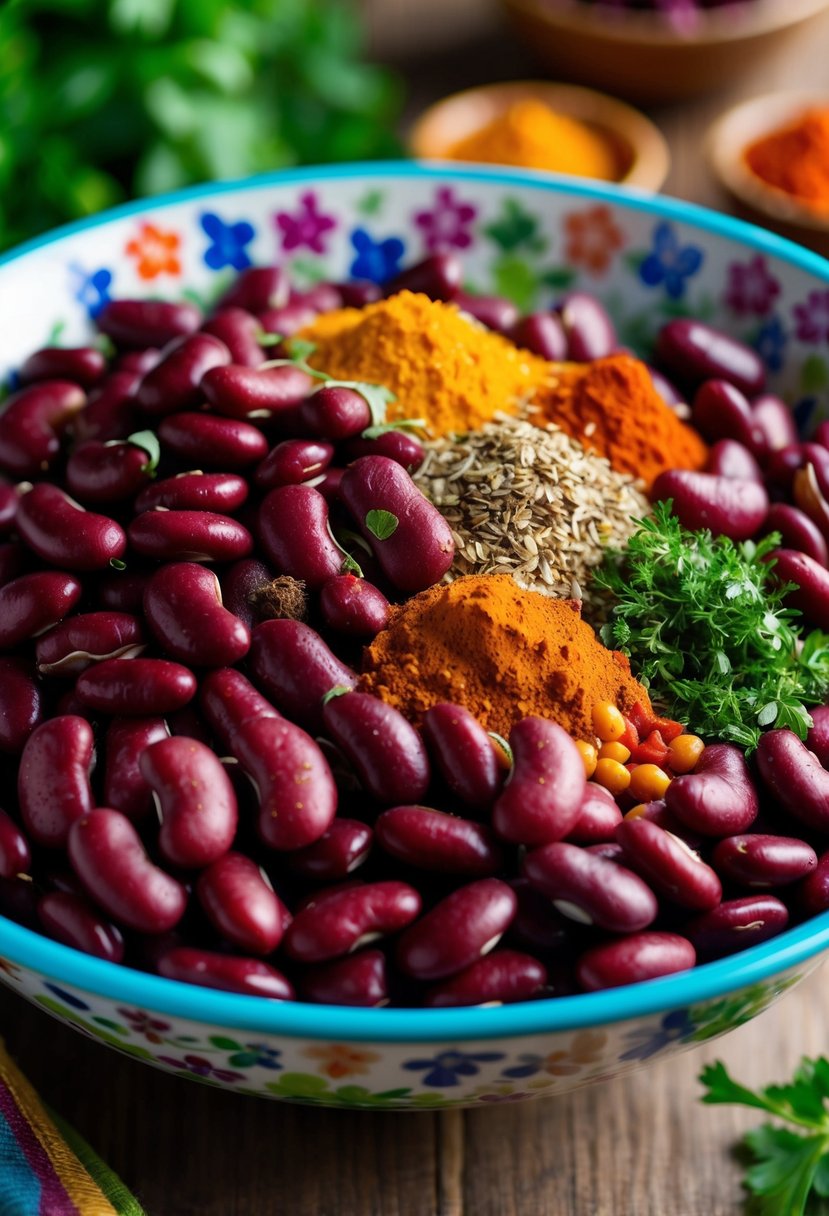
301	349
117	564
405	424
338	690
148	440
381	524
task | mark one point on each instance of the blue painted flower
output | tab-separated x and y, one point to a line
669	262
804	410
770	343
256	1053
529	1066
91	288
229	242
375	260
67	997
445	1068
647	1041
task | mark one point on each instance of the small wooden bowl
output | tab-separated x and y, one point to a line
641	151
638	55
757	201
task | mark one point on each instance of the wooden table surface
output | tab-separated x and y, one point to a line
642	1146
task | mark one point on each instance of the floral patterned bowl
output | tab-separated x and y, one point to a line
529	236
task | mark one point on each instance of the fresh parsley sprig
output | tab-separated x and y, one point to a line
703	622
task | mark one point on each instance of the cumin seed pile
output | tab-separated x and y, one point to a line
529	502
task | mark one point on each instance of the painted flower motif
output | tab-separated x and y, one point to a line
200	1067
669	262
91	288
11	970
445	1069
256	1054
339	1060
592	238
446	225
497	1094
585	1048
770	343
141	1023
375	260
68	998
751	290
229	242
155	252
812	318
306	227
647	1041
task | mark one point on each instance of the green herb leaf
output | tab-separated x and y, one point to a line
117	564
301	349
381	524
148	441
383	428
338	690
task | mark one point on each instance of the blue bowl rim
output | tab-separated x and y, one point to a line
61	964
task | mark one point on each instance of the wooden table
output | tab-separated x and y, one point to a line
642	1146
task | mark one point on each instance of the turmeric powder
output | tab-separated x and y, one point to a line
502	652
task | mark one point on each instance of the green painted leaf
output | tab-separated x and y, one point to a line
223	1043
111	1025
54	335
372	202
307	271
814	375
515	278
516	229
299	1085
633	259
381	524
559	278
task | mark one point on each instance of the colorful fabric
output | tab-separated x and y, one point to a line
46	1169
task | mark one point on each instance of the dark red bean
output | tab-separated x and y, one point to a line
438	276
357	293
543	334
11	560
328	484
352	606
812	894
18	901
218	443
335	413
295	667
817	740
590	889
292	462
15	854
261	393
495	312
337	853
137	362
542	799
587	326
459	930
776	421
136	688
195	800
598	818
141	323
725	505
59	530
500	978
642	956
737	924
763	861
322	297
31	604
125	788
110	412
31	424
537	924
70	647
71	919
242	585
357	979
183	607
257	288
83	365
106	472
123	591
250	976
667	864
288	320
241	905
384	748
400	446
189	536
294	532
695	352
728	458
9	499
433	840
669	393
721	411
797	531
464	753
349	918
795	777
174	383
228	700
53	789
240	331
811	580
718	798
223	493
20	704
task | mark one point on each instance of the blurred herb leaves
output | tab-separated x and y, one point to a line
102	100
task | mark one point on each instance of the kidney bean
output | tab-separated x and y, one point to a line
106	472
9	498
125	788
464	754
265	392
20	704
294	531
53	788
138	362
811	594
795	777
70	647
721	411
499	978
724	505
642	956
328	484
241	904
228	700
240	331
776	421
195	801
18	901
322	297
174	383
537	924
763	861
136	688
728	458
669	393
797	531
400	446
31	424
189	536
15	854
459	930
223	493
718	798
216	442
83	365
667	864
357	979
32	603
241	583
419	549
110	412
71	919
288	320
11	560
337	853
433	840
598	816
438	276
186	723
542	799
695	352
543	334
141	323
123	591
257	288
347	919
357	293
384	748
737	924
292	462
335	413
588	328
231	973
495	312
297	794
352	606
812	893
183	607
590	889
817	740
61	531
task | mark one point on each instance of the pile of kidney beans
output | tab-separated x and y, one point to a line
195	786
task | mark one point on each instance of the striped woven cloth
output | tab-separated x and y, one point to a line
46	1169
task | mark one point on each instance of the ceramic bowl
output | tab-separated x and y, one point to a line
638	55
639	147
530	237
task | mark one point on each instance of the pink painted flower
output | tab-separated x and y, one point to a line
152	1029
592	238
751	289
200	1067
447	224
306	227
155	252
812	318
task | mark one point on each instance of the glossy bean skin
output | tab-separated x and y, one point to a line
241	905
543	334
729	458
598	818
241	583
345	920
718	798
811	594
383	747
110	411
212	441
99	472
20	704
222	493
11	560
335	413
812	894
400	446
15	854
357	979
239	330
125	788
31	424
53	780
293	529
667	864
9	499
795	777
83	365
136	324
587	327
502	977
183	607
817	739
721	411
257	288
642	956
230	973
353	606
60	531
420	549
797	531
338	852
357	293
695	352
439	276
288	320
737	924
174	383
433	840
122	591
33	603
763	861
228	700
459	930
73	920
542	799
292	462
195	800
590	889
295	667
537	925
256	393
725	505
189	536
495	312
775	420
136	688
296	789
464	754
71	646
